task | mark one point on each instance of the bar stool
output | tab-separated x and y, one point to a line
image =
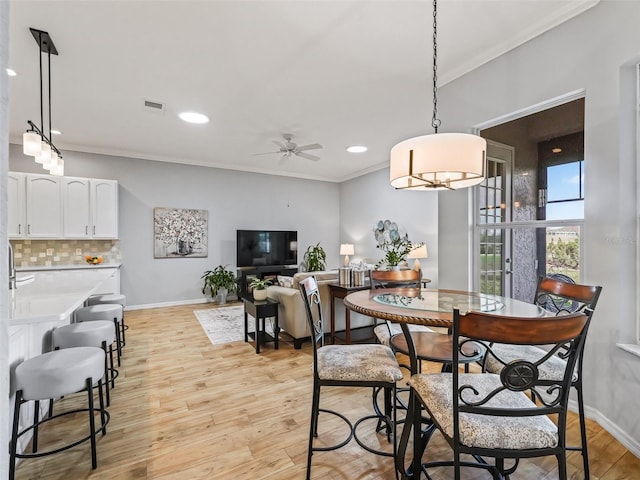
112	298
90	334
101	312
54	375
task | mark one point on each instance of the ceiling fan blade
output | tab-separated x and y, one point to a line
308	156
265	153
280	144
312	146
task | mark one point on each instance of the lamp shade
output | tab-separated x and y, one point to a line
44	157
440	161
346	249
418	252
31	143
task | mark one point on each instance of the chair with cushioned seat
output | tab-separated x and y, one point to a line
354	365
116	298
54	375
490	416
100	312
560	295
101	334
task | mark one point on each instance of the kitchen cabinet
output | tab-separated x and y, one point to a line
44	206
104	208
90	208
17	223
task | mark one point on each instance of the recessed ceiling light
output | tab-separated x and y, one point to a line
56	132
556	150
357	149
194	117
11	73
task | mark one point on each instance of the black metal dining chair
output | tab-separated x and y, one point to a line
491	416
560	296
354	365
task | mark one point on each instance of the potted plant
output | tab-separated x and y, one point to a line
220	281
396	250
315	258
259	288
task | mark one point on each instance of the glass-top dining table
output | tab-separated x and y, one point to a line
434	308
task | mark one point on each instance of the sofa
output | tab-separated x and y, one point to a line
292	317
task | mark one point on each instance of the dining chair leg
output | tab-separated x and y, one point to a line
313	425
583	429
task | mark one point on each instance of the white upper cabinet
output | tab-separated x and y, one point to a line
104	208
76	211
44	206
17	226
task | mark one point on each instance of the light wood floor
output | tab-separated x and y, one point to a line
185	409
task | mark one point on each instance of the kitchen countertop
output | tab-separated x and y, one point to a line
53	295
42	268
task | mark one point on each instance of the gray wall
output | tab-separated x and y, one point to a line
235	200
595	51
370	198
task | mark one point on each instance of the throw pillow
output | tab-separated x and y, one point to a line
285	281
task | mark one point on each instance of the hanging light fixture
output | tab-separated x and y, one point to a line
34	141
441	161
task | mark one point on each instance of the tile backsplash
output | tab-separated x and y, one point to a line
49	253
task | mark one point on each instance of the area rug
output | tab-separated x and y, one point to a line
224	324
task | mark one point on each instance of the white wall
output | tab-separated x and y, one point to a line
4	276
367	199
235	200
586	52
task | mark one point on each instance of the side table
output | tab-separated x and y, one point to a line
260	310
340	291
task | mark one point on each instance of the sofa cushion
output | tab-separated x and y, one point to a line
321	277
285	281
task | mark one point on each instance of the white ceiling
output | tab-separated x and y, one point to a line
337	73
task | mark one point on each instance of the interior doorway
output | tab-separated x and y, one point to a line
530	208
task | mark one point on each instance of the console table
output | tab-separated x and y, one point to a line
340	291
260	310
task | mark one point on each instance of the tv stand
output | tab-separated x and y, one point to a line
262	272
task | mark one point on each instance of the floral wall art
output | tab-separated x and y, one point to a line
180	232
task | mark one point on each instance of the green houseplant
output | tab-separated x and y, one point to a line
259	288
315	258
221	281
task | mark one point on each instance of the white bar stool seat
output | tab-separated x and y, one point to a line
98	333
101	312
112	298
53	375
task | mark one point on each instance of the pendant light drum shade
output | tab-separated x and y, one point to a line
440	161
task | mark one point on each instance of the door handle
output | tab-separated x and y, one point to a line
28	229
19	229
86	229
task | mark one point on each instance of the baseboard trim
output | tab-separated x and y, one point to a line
620	435
177	303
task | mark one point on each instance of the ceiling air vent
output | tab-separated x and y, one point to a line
155	106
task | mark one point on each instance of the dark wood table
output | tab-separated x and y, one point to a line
260	310
337	290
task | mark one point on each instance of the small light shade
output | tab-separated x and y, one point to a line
346	249
416	253
440	161
44	157
52	163
31	143
59	170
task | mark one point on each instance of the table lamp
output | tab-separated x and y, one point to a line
418	252
346	249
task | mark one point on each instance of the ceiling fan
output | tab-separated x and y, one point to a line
289	148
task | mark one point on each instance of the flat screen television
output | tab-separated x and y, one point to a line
264	248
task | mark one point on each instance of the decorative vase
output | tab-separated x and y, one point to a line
259	295
222	295
395	268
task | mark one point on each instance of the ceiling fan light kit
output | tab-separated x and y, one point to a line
34	142
441	161
289	147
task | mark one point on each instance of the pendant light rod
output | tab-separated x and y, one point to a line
440	161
